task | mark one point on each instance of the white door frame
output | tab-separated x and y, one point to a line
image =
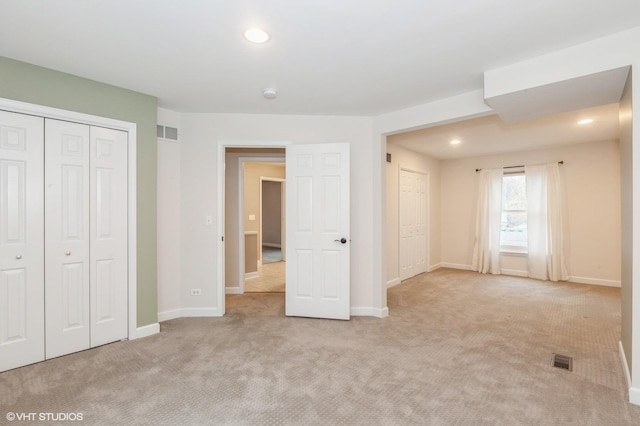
131	129
241	257
282	213
219	284
427	201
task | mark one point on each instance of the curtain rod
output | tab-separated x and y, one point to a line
517	167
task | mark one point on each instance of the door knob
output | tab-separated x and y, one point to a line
19	257
341	240
68	253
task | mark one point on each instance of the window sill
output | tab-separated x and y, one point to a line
518	251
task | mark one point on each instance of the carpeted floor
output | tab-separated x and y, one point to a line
458	348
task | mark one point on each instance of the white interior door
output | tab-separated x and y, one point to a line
108	227
413	224
21	240
318	246
66	237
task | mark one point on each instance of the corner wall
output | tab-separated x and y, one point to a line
592	178
202	134
404	158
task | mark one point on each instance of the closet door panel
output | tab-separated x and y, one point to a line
21	240
109	287
67	275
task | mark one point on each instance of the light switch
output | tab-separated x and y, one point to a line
252	217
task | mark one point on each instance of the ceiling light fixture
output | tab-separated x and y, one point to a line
585	121
455	142
256	35
270	93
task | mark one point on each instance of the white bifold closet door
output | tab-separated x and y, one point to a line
67	266
85	236
63	238
108	239
21	242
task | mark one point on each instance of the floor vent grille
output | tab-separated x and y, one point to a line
563	361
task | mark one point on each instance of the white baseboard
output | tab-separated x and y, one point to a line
147	330
233	290
393	282
634	393
434	267
514	272
625	366
249	275
456	266
187	312
200	312
272	245
369	312
634	396
595	281
169	315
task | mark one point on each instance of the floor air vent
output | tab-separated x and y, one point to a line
563	361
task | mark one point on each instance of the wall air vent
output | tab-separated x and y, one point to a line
166	132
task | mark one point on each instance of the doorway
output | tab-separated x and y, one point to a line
267	272
245	167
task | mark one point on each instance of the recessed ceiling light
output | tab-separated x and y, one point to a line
586	121
256	35
455	142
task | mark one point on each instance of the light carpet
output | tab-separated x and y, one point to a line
458	348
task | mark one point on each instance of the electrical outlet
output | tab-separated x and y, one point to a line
196	292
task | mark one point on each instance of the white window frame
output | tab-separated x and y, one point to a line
521	249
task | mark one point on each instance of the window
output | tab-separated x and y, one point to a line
513	229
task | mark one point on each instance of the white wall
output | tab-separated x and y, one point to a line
201	134
169	302
404	158
592	176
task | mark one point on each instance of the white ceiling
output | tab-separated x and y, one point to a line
490	135
355	57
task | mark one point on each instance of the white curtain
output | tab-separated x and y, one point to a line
486	250
545	222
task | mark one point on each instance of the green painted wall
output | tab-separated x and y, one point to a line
28	83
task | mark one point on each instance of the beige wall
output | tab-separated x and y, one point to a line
592	173
403	158
252	174
272	213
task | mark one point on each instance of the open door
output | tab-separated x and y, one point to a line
318	245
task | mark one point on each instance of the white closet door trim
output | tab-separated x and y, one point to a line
131	129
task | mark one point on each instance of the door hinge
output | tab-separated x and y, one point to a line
223	238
